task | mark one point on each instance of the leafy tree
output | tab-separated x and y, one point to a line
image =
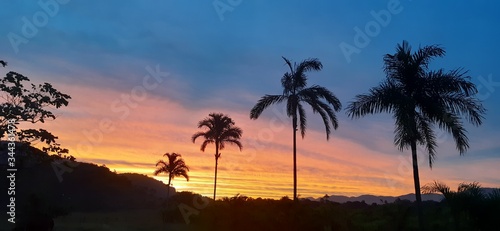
33	104
294	94
174	167
220	130
419	99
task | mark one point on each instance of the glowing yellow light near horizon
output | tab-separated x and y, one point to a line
260	170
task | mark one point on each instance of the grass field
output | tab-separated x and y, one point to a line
133	220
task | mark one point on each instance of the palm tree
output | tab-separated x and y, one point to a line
295	93
464	203
420	99
220	130
174	167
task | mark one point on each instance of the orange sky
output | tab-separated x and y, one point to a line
225	63
154	126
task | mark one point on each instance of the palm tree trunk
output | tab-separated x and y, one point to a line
216	163
168	191
416	180
295	158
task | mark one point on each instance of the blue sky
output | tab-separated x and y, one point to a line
228	60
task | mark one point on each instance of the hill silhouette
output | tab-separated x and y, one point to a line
80	186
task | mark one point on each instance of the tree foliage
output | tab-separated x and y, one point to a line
220	130
173	167
28	103
295	95
419	100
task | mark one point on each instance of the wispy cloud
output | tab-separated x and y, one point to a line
99	52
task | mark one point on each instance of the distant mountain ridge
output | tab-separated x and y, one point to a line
370	199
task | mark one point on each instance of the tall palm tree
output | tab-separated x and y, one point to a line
295	93
174	167
419	99
220	130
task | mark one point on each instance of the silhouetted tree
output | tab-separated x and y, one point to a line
419	99
296	92
220	130
466	203
174	167
31	104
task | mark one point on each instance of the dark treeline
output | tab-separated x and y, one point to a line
243	213
52	187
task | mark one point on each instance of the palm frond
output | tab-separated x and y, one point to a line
205	143
384	98
196	135
436	187
428	139
454	92
425	54
323	93
162	163
451	123
265	102
234	142
171	156
300	77
289	64
455	80
323	110
311	64
175	166
396	65
291	106
231	132
159	171
405	129
287	83
184	174
205	123
471	191
302	119
222	130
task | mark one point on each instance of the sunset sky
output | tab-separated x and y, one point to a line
222	56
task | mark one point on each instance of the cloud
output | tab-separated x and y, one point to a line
98	53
